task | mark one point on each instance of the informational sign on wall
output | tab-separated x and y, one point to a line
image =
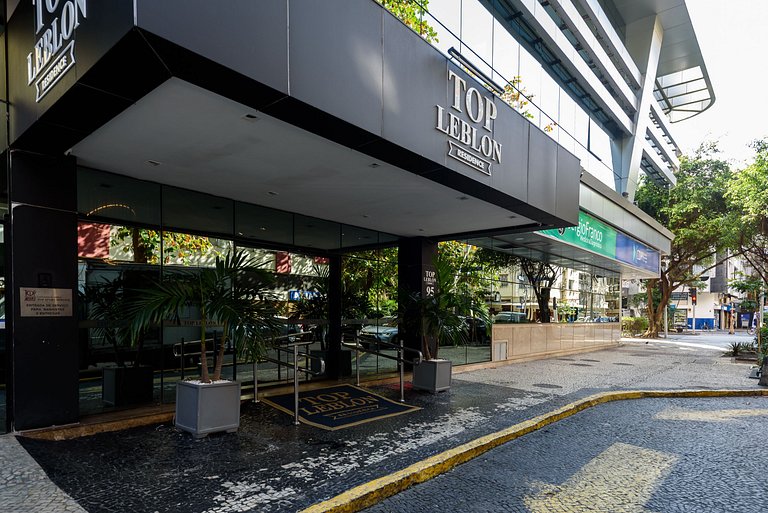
45	302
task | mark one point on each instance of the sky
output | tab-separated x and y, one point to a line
733	36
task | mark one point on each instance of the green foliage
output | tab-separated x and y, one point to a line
438	319
369	281
634	325
516	97
145	244
697	211
738	348
234	294
413	15
748	197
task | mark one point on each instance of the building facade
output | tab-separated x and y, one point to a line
143	136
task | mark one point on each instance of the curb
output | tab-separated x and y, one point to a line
373	492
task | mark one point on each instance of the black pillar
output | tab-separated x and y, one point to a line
42	278
335	368
416	274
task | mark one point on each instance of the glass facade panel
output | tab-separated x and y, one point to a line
195	211
445	17
265	224
506	55
310	232
120	198
477	35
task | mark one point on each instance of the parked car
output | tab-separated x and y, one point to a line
509	318
383	331
477	332
387	331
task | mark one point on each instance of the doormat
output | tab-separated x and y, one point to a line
339	406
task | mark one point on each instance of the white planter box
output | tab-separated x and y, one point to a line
432	375
207	408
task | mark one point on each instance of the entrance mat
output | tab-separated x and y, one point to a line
339	406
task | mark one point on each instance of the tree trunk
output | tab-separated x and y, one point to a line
220	354
203	355
542	297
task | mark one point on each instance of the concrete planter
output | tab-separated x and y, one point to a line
432	375
207	408
127	385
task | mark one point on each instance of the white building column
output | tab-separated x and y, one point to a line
643	41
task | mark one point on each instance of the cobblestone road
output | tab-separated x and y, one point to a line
272	466
648	455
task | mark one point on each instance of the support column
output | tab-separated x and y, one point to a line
42	290
415	271
335	367
644	38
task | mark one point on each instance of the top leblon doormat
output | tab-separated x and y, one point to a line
339	406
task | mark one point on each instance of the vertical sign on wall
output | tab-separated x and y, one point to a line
429	281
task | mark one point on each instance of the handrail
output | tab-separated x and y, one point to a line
287	347
400	358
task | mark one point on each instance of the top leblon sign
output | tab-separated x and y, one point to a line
472	147
54	52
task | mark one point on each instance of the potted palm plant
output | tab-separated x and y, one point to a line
440	319
235	297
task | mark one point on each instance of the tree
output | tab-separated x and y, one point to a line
697	212
748	196
541	275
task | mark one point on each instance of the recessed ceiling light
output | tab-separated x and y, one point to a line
263	228
513	217
462	198
251	117
272	193
153	163
366	216
519	238
421	229
374	165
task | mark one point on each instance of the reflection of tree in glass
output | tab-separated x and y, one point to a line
145	245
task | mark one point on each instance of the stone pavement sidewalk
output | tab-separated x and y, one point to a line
271	465
24	485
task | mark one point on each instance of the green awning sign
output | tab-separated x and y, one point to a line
590	234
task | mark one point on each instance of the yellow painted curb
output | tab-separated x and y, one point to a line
372	492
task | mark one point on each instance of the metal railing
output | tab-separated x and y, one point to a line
400	358
290	348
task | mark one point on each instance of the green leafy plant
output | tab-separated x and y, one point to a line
234	295
634	325
412	14
440	318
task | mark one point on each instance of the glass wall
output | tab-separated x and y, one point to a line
133	233
369	307
575	296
